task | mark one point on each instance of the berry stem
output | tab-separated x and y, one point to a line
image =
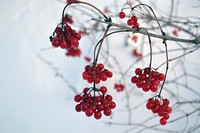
97	55
167	65
150	48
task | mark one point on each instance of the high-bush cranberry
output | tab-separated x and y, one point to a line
122	15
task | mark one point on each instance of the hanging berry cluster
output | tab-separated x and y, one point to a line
93	101
73	52
101	73
65	37
160	107
119	87
132	21
147	79
136	54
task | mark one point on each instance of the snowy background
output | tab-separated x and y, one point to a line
32	99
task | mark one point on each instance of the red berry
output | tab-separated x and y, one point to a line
103	89
135	25
108	97
139	84
163	121
97	80
134	18
100	65
77	36
84	107
112	105
74	42
78	107
103	77
154	88
166	116
55	42
70	1
100	107
138	71
77	98
130	22
97	115
168	109
85	90
109	74
146	87
89	112
122	15
134	79
107	112
166	101
161	77
85	75
149	106
63	44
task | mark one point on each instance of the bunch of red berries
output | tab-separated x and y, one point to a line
65	37
73	52
119	87
136	54
101	73
147	79
161	107
132	21
68	19
95	105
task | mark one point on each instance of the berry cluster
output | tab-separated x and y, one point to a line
136	54
101	73
147	79
161	107
68	19
73	52
132	21
134	38
119	87
95	105
65	37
